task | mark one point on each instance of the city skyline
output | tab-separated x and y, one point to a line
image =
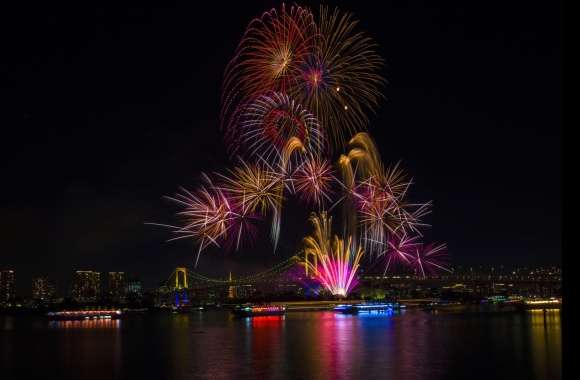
116	285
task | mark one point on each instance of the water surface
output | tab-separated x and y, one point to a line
317	345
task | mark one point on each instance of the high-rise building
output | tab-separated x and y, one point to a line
7	286
86	286
134	288
43	290
117	286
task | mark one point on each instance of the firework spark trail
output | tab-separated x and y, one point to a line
400	250
429	258
206	216
260	188
254	184
242	223
378	195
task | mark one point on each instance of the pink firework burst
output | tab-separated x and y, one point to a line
400	251
383	211
313	180
241	226
430	259
206	215
337	276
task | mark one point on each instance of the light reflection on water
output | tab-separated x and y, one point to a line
317	345
86	324
545	341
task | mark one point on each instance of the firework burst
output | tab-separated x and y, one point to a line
260	189
400	251
430	259
268	57
340	78
254	185
270	124
206	216
313	181
383	212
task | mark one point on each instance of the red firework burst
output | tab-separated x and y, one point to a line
268	124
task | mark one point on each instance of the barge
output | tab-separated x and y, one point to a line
70	315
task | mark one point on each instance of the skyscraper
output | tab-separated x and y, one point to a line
134	291
134	288
43	290
86	286
7	286
117	285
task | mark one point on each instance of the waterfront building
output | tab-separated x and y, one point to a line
7	287
43	290
134	289
86	286
117	286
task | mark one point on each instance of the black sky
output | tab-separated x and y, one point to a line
116	106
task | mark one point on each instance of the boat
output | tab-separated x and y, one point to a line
368	307
551	303
446	305
258	310
65	315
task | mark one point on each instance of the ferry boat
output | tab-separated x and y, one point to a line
258	310
368	307
84	314
446	305
186	309
551	303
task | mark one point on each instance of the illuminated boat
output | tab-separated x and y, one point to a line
551	303
254	311
83	314
447	306
368	307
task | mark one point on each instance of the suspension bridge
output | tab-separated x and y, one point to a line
183	278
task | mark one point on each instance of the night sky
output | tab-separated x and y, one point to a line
117	106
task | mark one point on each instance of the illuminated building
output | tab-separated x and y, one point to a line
86	286
7	288
134	290
117	286
42	289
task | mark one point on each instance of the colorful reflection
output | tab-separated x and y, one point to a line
338	342
267	320
86	324
546	342
265	340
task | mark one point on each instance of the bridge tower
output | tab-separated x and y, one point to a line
180	278
231	289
